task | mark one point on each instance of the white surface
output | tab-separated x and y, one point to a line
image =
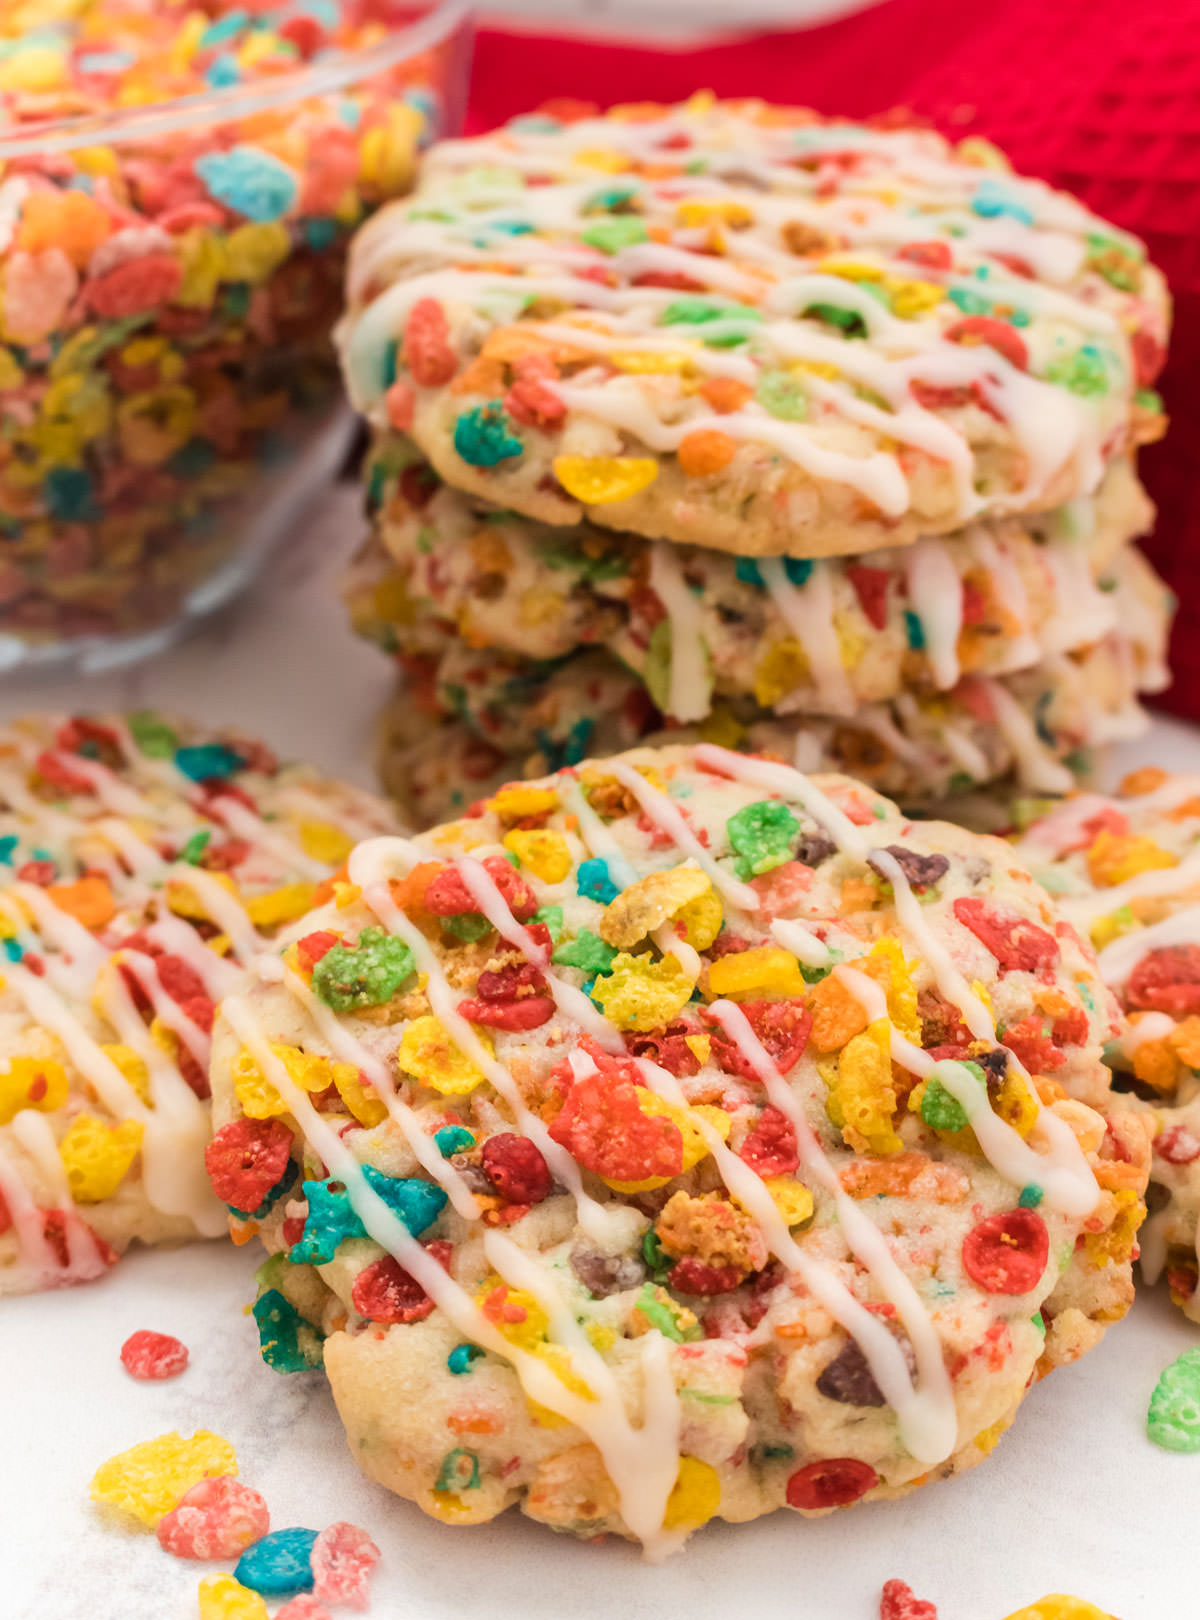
1075	1498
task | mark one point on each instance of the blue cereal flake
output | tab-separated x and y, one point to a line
991	200
452	1139
70	493
1031	1196
279	1564
418	1203
594	882
747	571
208	760
482	437
8	846
288	1343
460	1358
250	181
222	71
330	1218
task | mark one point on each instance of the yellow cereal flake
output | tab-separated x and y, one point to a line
325	842
901	991
791	1198
281	905
184	901
645	905
1116	857
32	1083
913	298
1015	1104
428	1052
700	1046
514	1313
134	1069
259	1098
544	855
598	480
862	1099
640	993
695	1497
782	668
988	1439
1061	1606
362	1102
1114	1245
97	1156
149	1479
764	970
220	1597
521	801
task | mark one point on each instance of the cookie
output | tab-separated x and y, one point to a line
1044	727
796	636
752	328
664	1149
1126	870
145	861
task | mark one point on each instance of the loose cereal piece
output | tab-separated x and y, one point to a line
152	1477
151	1356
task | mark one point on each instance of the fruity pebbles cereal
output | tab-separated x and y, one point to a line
177	186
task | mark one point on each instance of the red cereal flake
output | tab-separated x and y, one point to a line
898	1603
400	401
1167	980
516	1168
510	998
303	1607
43	873
999	335
930	255
1032	1046
770	1149
185	987
1007	1253
55	770
448	895
603	1128
246	1158
782	1028
692	1276
427	351
1149	356
836	1482
668	1047
343	1557
871	588
1178	1144
385	1292
529	401
136	286
150	1356
218	1518
782	888
1013	940
313	947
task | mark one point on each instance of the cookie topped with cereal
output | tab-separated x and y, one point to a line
677	1137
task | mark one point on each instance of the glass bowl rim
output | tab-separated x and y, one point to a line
329	73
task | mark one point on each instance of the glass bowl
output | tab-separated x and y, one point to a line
169	276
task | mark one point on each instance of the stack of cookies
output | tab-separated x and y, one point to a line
799	435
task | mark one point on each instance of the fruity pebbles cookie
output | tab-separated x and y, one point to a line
1126	870
678	1137
467	720
699	626
753	327
145	862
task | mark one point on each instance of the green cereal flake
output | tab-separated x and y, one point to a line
587	952
611	235
153	736
364	974
1173	1420
761	836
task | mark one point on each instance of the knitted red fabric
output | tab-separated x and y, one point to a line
1097	96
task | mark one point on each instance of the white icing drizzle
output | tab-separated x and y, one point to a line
1158	883
689	685
801	941
1150	1026
597	838
1036	765
36	1254
243	821
642	1463
808	612
935	590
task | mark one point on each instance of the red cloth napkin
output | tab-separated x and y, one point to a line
1097	96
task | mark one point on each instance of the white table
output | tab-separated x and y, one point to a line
1075	1499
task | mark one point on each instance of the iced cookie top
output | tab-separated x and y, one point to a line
753	328
144	864
728	1025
